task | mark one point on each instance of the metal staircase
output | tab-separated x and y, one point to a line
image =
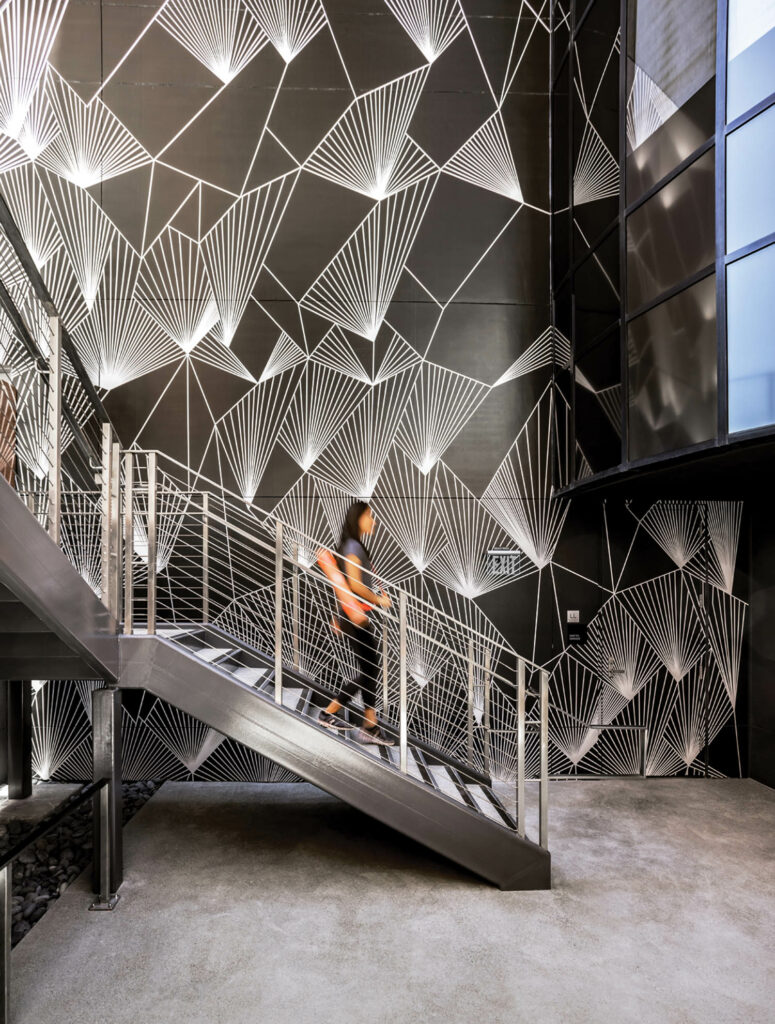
130	567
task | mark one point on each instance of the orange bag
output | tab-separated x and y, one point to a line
348	602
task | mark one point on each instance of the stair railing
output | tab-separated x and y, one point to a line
227	563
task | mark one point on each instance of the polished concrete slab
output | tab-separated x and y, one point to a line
279	904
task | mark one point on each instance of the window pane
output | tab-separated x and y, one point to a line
671	143
673	373
672	235
671	56
750	195
751	350
751	54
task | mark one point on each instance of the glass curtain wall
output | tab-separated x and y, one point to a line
670	306
634	225
749	137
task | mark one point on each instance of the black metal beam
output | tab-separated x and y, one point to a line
19	738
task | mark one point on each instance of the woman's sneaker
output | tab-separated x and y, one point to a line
333	722
374	735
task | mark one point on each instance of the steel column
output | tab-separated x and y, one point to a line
402	701
543	794
108	854
55	429
19	739
278	613
206	557
6	875
129	541
521	748
151	528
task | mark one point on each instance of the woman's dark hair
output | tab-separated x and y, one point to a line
350	528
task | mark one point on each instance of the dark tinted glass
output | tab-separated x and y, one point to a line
750	192
596	293
595	115
673	373
751	352
670	144
597	402
671	55
751	54
672	236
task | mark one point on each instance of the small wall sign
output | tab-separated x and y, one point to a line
504	561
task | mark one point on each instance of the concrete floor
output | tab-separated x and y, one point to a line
274	904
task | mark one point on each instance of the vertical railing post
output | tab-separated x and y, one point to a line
152	540
543	798
521	748
487	683
6	875
108	854
206	557
278	613
402	699
644	752
129	542
107	502
295	605
55	430
385	688
116	547
471	678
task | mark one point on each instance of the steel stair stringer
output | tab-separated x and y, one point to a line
41	579
214	697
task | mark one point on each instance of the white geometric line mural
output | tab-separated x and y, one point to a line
299	272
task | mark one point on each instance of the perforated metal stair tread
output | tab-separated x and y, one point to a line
212	654
445	782
484	803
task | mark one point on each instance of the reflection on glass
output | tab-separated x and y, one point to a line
751	54
598	403
596	293
670	144
672	236
595	125
750	193
671	53
673	373
750	348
